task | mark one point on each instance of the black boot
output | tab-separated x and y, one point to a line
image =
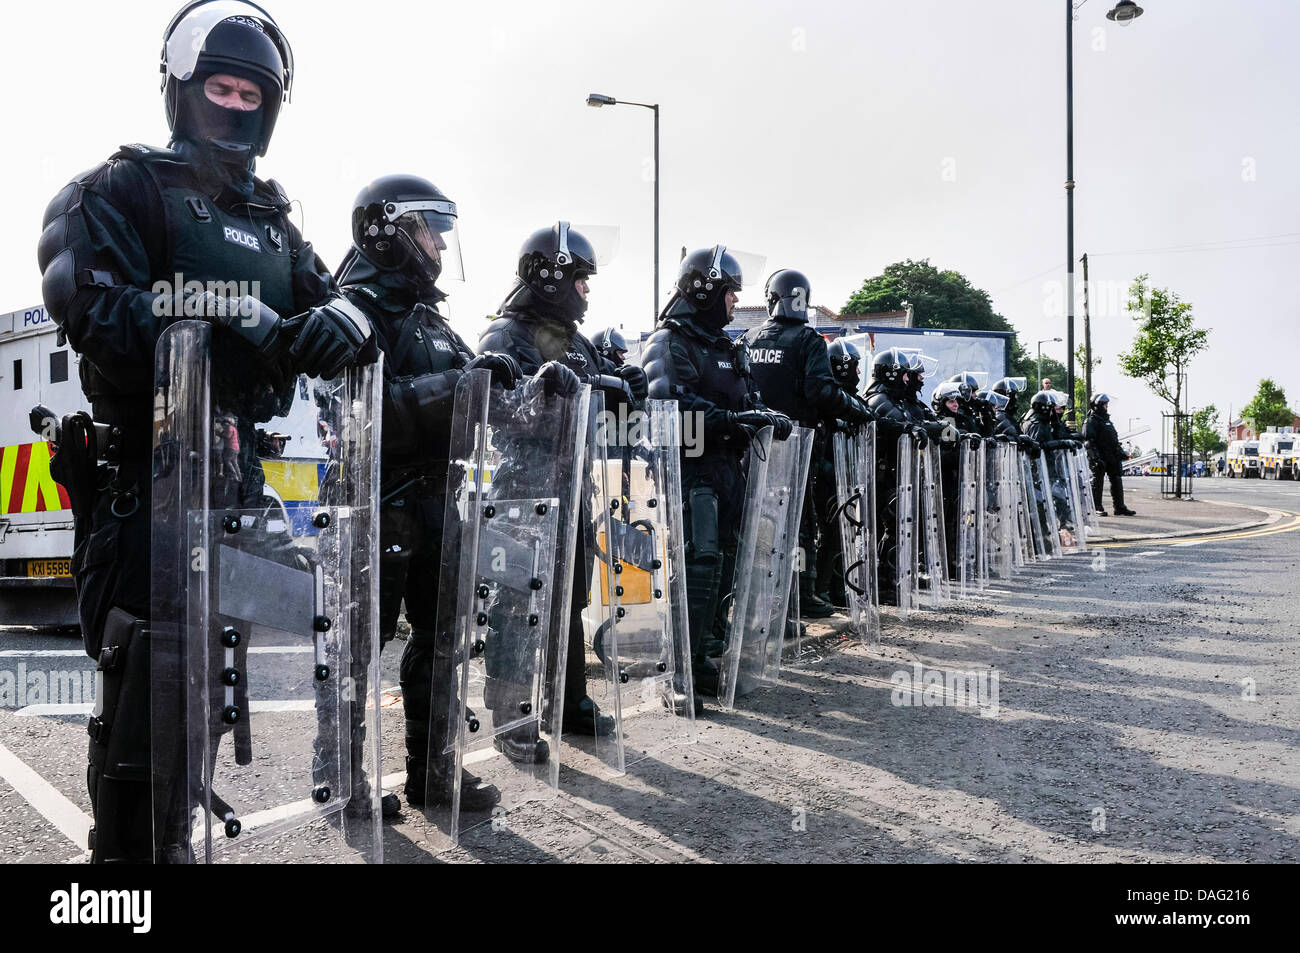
585	719
811	605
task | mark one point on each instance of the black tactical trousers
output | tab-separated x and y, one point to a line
1114	470
713	501
830	548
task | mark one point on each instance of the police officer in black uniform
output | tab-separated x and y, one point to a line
844	359
611	345
114	239
896	378
401	229
952	409
691	359
1105	455
537	326
1006	420
788	361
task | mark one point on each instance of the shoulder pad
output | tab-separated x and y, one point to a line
275	192
143	153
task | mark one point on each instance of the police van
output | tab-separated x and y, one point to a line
36	527
1243	458
35	519
1279	453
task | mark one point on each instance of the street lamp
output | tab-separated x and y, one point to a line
597	100
1040	360
1124	12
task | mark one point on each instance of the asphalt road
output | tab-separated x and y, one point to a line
1148	710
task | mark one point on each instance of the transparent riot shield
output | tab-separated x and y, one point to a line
777	476
1000	513
934	541
907	477
1083	480
1035	542
970	519
515	509
637	608
1065	499
855	511
1041	492
263	637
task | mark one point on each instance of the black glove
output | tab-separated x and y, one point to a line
557	379
973	439
1029	445
248	319
330	339
615	388
637	382
505	369
919	435
758	419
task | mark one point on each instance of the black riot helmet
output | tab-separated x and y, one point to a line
991	400
787	294
406	224
1100	403
844	358
611	345
947	390
1041	403
889	367
1010	387
706	274
551	260
224	36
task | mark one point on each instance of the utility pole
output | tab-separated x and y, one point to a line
1087	338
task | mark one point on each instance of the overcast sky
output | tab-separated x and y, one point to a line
831	137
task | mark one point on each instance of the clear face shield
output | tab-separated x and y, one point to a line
189	29
430	227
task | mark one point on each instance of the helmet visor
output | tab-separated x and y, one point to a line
752	266
604	241
188	32
916	361
994	400
1018	383
430	226
981	378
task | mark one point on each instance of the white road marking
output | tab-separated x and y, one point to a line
271	705
53	653
71	821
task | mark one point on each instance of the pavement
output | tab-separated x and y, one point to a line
1160	518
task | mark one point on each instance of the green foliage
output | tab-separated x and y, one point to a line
1166	340
1081	394
1268	408
1207	434
945	300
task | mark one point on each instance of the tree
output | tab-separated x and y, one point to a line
1207	437
1166	341
945	300
1268	408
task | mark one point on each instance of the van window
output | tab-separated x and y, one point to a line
1252	451
18	374
58	366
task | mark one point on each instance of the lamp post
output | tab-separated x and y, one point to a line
1040	359
597	100
1123	13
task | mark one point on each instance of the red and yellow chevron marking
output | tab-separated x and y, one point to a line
25	482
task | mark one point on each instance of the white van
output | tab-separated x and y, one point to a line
1243	458
1279	454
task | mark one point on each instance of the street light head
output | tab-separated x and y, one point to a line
1057	340
1124	12
599	99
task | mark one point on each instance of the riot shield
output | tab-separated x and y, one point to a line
855	511
264	680
970	519
514	508
1000	511
907	476
637	609
1083	480
934	541
1035	541
1065	497
777	476
1041	492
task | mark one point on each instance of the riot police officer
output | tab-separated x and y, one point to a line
790	369
1105	455
950	407
1006	419
611	345
844	359
114	239
894	379
404	239
538	325
691	359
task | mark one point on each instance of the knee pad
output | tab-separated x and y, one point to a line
703	524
